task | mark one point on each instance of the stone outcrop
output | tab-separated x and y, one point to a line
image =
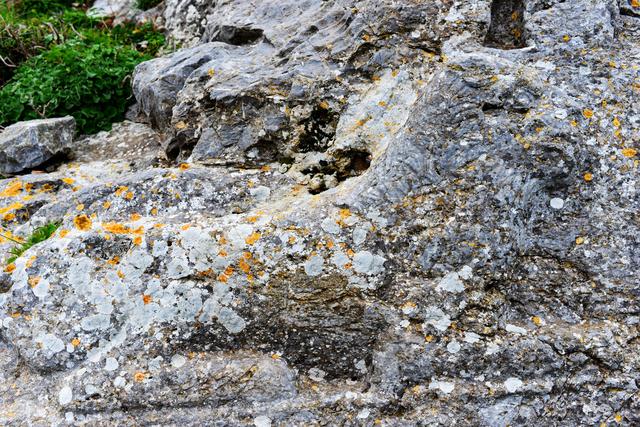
344	213
28	145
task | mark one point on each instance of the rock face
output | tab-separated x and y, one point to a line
344	213
27	145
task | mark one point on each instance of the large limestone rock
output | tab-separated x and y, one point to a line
27	145
381	213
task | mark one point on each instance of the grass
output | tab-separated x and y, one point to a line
38	235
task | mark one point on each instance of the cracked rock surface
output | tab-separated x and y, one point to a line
347	212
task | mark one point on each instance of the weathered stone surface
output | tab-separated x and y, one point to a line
27	145
382	213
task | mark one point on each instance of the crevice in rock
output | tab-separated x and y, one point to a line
237	36
319	131
506	30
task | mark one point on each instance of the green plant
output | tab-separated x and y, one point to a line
38	235
87	79
147	4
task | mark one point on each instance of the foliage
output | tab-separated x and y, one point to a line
147	4
55	61
81	78
38	235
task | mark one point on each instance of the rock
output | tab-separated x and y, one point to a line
379	212
28	145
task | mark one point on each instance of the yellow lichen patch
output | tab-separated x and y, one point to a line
616	122
587	113
116	228
158	225
618	418
129	195
13	189
75	342
242	265
253	219
139	376
146	299
629	152
181	125
344	214
10	268
80	207
579	240
566	38
536	320
324	105
588	177
135	217
253	238
154	211
382	104
106	205
12	207
120	274
30	261
82	222
33	281
63	233
211	72
428	338
121	190
265	168
69	181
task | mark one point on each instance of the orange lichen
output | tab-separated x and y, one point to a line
116	228
184	166
587	113
137	240
253	238
13	189
82	222
9	216
588	177
63	233
10	268
629	152
185	227
135	217
106	205
33	281
80	207
536	320
139	376
579	240
68	180
121	190
242	264
129	195
154	211
75	342
146	299
114	261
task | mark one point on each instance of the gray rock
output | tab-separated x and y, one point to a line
27	145
389	213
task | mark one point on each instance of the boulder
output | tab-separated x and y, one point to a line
28	145
371	213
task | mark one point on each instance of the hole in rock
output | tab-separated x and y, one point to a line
319	130
506	30
237	36
353	163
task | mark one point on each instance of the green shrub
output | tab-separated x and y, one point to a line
23	38
38	235
147	4
87	79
